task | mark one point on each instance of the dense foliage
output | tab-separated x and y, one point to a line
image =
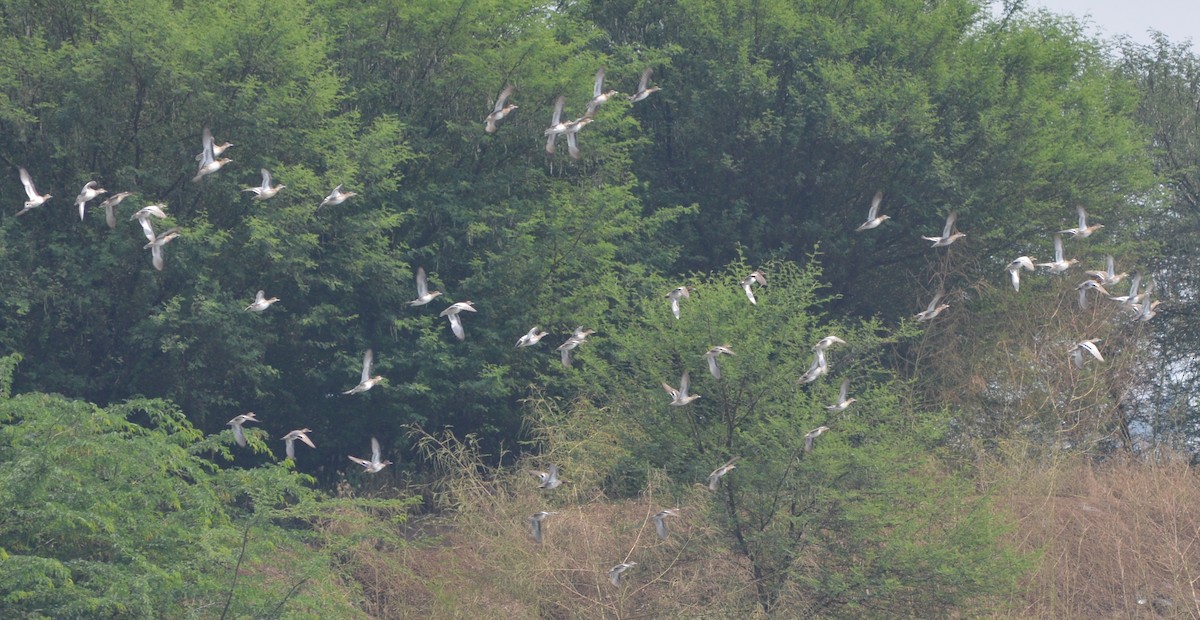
123	513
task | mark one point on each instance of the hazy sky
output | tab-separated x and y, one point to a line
1178	19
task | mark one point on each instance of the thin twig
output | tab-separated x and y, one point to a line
236	570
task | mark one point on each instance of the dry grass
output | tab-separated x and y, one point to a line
1110	535
484	560
1105	537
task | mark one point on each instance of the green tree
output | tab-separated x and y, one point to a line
782	120
119	512
862	524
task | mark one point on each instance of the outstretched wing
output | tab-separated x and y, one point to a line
422	284
873	212
504	95
645	82
206	156
949	224
712	366
558	108
156	256
27	181
933	304
572	145
368	360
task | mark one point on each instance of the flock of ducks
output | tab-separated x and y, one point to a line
210	161
1138	304
569	129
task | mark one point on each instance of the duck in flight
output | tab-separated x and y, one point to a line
573	128
452	312
266	190
238	435
811	436
574	341
819	367
933	310
1058	265
714	479
680	292
336	197
261	302
35	200
947	236
532	337
548	479
424	295
842	402
614	573
110	208
599	95
681	397
1014	269
749	282
208	157
712	354
660	521
375	465
500	110
156	245
290	441
644	89
367	381
874	219
1083	231
89	191
535	524
1090	347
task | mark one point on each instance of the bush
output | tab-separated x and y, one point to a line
113	513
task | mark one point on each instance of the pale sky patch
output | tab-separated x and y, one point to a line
1178	19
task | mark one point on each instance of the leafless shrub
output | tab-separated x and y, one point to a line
1121	539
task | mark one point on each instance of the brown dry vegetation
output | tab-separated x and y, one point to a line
488	561
1107	536
1005	367
1104	537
